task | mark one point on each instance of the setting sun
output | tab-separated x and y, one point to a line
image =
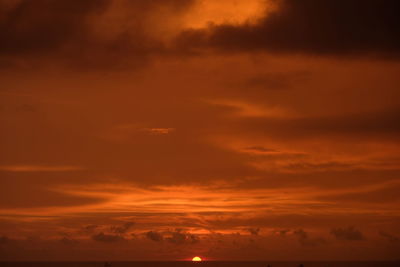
196	259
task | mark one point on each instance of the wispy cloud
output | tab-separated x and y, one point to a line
158	131
205	205
40	168
244	109
350	233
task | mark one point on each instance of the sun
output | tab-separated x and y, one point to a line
196	259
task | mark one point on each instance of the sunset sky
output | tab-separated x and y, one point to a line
225	129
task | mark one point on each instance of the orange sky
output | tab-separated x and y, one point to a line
231	130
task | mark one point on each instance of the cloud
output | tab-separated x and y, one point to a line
350	233
380	193
180	237
253	231
90	228
310	163
98	34
39	168
158	131
91	34
193	239
282	232
177	237
154	236
259	149
122	229
107	238
44	25
305	240
250	110
367	125
37	194
310	27
391	238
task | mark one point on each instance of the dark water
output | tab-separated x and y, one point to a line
200	264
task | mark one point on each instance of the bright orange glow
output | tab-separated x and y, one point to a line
225	11
196	259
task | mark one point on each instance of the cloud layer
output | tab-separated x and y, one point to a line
312	27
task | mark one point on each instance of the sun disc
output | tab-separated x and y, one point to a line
196	259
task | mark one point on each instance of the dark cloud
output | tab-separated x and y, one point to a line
305	240
253	231
122	229
70	32
44	25
154	236
107	238
180	237
177	237
363	125
310	26
90	228
193	239
349	233
391	238
259	149
283	232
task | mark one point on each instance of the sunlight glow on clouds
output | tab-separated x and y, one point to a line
206	12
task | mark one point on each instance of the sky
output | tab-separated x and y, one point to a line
225	129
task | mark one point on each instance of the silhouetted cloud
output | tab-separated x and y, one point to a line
310	26
90	228
180	237
349	233
283	232
122	229
107	238
177	238
253	231
154	236
305	240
